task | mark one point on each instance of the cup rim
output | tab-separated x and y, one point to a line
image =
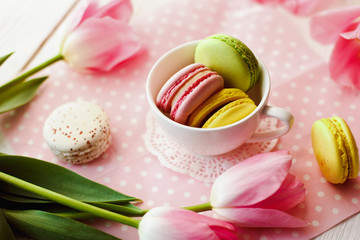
152	103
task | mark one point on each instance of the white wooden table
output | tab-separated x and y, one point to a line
32	29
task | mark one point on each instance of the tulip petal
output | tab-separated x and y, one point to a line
100	44
180	224
268	2
258	217
325	27
344	62
117	9
291	193
251	181
88	12
355	34
71	23
301	7
224	233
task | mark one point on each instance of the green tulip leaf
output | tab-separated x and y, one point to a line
75	215
4	58
46	226
11	201
21	199
58	179
5	230
18	94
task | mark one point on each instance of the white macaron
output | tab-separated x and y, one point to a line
78	132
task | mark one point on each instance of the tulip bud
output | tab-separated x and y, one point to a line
164	223
257	192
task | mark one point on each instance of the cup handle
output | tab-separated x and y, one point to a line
276	112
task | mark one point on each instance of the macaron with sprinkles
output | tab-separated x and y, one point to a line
78	132
231	58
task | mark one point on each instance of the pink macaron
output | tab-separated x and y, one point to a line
187	89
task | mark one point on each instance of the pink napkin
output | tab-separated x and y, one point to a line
300	83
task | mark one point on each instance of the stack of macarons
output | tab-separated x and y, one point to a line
226	106
212	91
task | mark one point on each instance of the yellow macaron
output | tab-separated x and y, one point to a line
335	149
231	113
225	107
216	101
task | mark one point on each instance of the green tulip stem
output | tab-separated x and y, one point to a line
195	208
69	202
200	208
34	70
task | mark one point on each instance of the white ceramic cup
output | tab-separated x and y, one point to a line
214	141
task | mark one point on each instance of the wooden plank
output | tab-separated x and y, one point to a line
348	229
24	26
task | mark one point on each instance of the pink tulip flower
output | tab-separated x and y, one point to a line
258	191
101	37
164	223
298	7
342	27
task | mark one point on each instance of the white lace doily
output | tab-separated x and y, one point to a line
203	168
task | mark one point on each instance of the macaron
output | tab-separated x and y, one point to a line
230	113
335	149
231	58
213	103
77	132
186	90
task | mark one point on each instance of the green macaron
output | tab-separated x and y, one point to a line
231	58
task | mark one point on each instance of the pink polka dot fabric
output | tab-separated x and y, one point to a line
300	83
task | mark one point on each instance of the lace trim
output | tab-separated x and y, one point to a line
203	168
